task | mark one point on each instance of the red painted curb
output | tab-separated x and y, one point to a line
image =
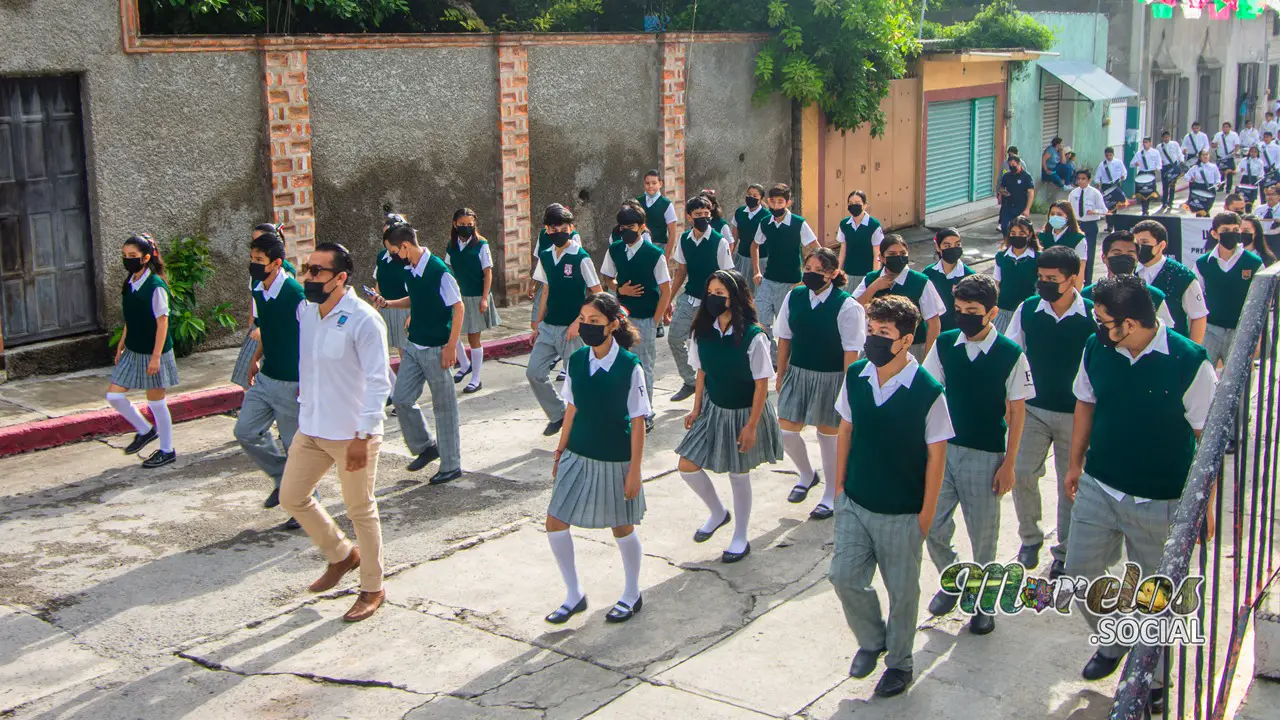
52	432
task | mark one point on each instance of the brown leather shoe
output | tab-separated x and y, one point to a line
333	574
365	605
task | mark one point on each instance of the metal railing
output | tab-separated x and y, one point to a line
1239	561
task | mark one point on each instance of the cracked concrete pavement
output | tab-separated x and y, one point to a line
173	594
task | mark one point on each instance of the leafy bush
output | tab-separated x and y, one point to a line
998	25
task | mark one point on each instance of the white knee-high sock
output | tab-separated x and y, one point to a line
741	484
464	362
629	545
477	362
561	542
164	423
701	485
827	446
121	404
794	447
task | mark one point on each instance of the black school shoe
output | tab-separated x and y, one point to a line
864	662
160	458
292	524
425	458
140	441
1100	666
893	682
552	428
942	603
982	623
699	536
685	392
623	612
443	477
273	500
562	613
731	557
1029	555
800	492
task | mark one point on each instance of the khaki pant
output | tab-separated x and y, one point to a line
309	459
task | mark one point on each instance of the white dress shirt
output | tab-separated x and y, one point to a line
343	377
1270	154
937	424
956	273
1192	300
930	301
1147	160
1252	167
669	216
1195	401
1249	137
660	272
486	258
1018	386
159	298
1095	206
1193	143
1271	126
733	219
806	233
724	257
760	353
1170	153
450	293
1206	173
1215	256
851	321
1014	331
268	293
1110	172
1226	144
557	254
637	400
876	237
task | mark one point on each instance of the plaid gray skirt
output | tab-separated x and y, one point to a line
474	321
1003	318
131	371
712	442
743	265
397	336
809	396
240	373
588	493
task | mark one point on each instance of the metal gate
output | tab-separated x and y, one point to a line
46	269
1051	115
961	155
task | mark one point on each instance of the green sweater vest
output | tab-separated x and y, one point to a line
1141	442
1224	292
1069	240
1173	280
785	250
140	319
466	267
638	270
946	290
601	423
391	277
700	260
278	319
977	390
1157	296
747	227
815	331
888	455
430	320
912	290
1017	279
1053	350
566	288
858	251
722	227
655	218
727	367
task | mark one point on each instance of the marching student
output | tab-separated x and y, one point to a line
986	379
895	277
636	272
1015	270
1203	181
1225	272
436	317
859	237
1170	171
389	276
1120	255
1255	240
718	223
1270	216
733	427
1051	327
1252	172
1183	293
1146	164
569	276
746	222
471	263
660	214
272	396
821	330
1270	150
1110	174
1249	135
787	235
1138	385
700	252
597	461
894	428
1088	205
144	355
240	372
1234	202
1193	144
1061	228
544	242
1226	145
1270	125
944	274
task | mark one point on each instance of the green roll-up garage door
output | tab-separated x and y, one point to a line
961	152
984	148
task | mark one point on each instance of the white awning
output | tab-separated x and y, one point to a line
1087	79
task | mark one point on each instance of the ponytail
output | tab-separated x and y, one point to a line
626	335
830	263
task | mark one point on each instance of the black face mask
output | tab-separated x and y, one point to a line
752	202
715	304
1146	253
970	324
1104	335
855	209
559	239
465	231
702	223
814	281
133	265
1229	240
1013	168
314	292
628	236
1018	241
592	335
1122	264
952	255
778	212
896	263
257	272
1048	291
879	350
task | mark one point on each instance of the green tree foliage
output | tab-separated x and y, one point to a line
999	24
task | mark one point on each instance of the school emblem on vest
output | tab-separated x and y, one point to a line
568	270
1246	274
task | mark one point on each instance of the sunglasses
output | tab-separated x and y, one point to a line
314	270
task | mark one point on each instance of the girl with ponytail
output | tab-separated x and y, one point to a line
949	270
472	264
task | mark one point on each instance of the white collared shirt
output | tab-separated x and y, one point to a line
1252	167
1270	126
1110	172
877	237
1017	386
1027	253
937	424
1215	256
851	321
807	237
1095	206
637	401
1225	145
733	219
159	298
268	293
724	257
1014	331
1170	152
1249	137
1147	160
1266	212
1081	248
486	257
660	272
930	301
669	216
1206	173
956	272
760	353
1193	143
342	369
450	293
1192	300
557	254
1270	154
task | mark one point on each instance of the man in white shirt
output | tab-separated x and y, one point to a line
1111	172
1226	145
1270	156
1194	143
1171	170
342	392
1146	164
1203	181
1270	125
1249	135
1270	216
1088	204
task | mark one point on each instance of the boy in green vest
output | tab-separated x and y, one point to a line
272	395
1120	255
892	451
435	323
1051	328
745	221
896	277
786	235
1182	291
636	272
700	252
567	276
1225	272
660	214
859	236
1139	385
987	380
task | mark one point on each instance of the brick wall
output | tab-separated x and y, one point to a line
674	62
289	150
513	128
